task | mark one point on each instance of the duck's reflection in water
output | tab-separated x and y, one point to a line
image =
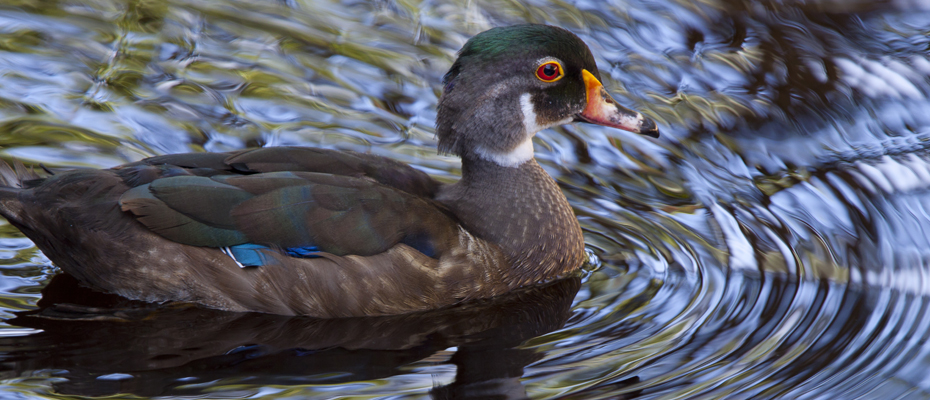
103	344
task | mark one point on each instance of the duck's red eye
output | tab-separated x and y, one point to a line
549	71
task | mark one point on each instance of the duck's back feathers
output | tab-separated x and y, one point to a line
300	201
298	212
295	159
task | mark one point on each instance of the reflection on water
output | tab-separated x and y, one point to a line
772	244
104	345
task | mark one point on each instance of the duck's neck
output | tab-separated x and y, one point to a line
522	210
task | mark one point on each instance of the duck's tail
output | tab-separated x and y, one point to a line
13	179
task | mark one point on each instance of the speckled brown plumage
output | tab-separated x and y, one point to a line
76	220
524	212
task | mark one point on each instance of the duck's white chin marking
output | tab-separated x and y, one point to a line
511	159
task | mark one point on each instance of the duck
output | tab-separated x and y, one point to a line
333	234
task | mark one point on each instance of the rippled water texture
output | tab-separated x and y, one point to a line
773	243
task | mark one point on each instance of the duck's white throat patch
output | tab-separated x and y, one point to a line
511	159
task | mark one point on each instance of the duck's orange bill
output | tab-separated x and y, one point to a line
603	110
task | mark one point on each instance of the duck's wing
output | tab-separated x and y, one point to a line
271	220
295	159
295	213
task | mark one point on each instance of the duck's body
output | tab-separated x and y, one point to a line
337	234
88	222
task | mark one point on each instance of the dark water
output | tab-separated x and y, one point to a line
773	243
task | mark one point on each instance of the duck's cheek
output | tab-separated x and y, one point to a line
531	121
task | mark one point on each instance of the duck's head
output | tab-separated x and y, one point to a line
509	83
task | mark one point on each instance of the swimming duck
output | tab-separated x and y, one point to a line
306	231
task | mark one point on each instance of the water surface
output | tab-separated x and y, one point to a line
773	243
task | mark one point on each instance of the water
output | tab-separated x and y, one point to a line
773	243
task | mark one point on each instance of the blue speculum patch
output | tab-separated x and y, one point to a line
303	252
255	255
